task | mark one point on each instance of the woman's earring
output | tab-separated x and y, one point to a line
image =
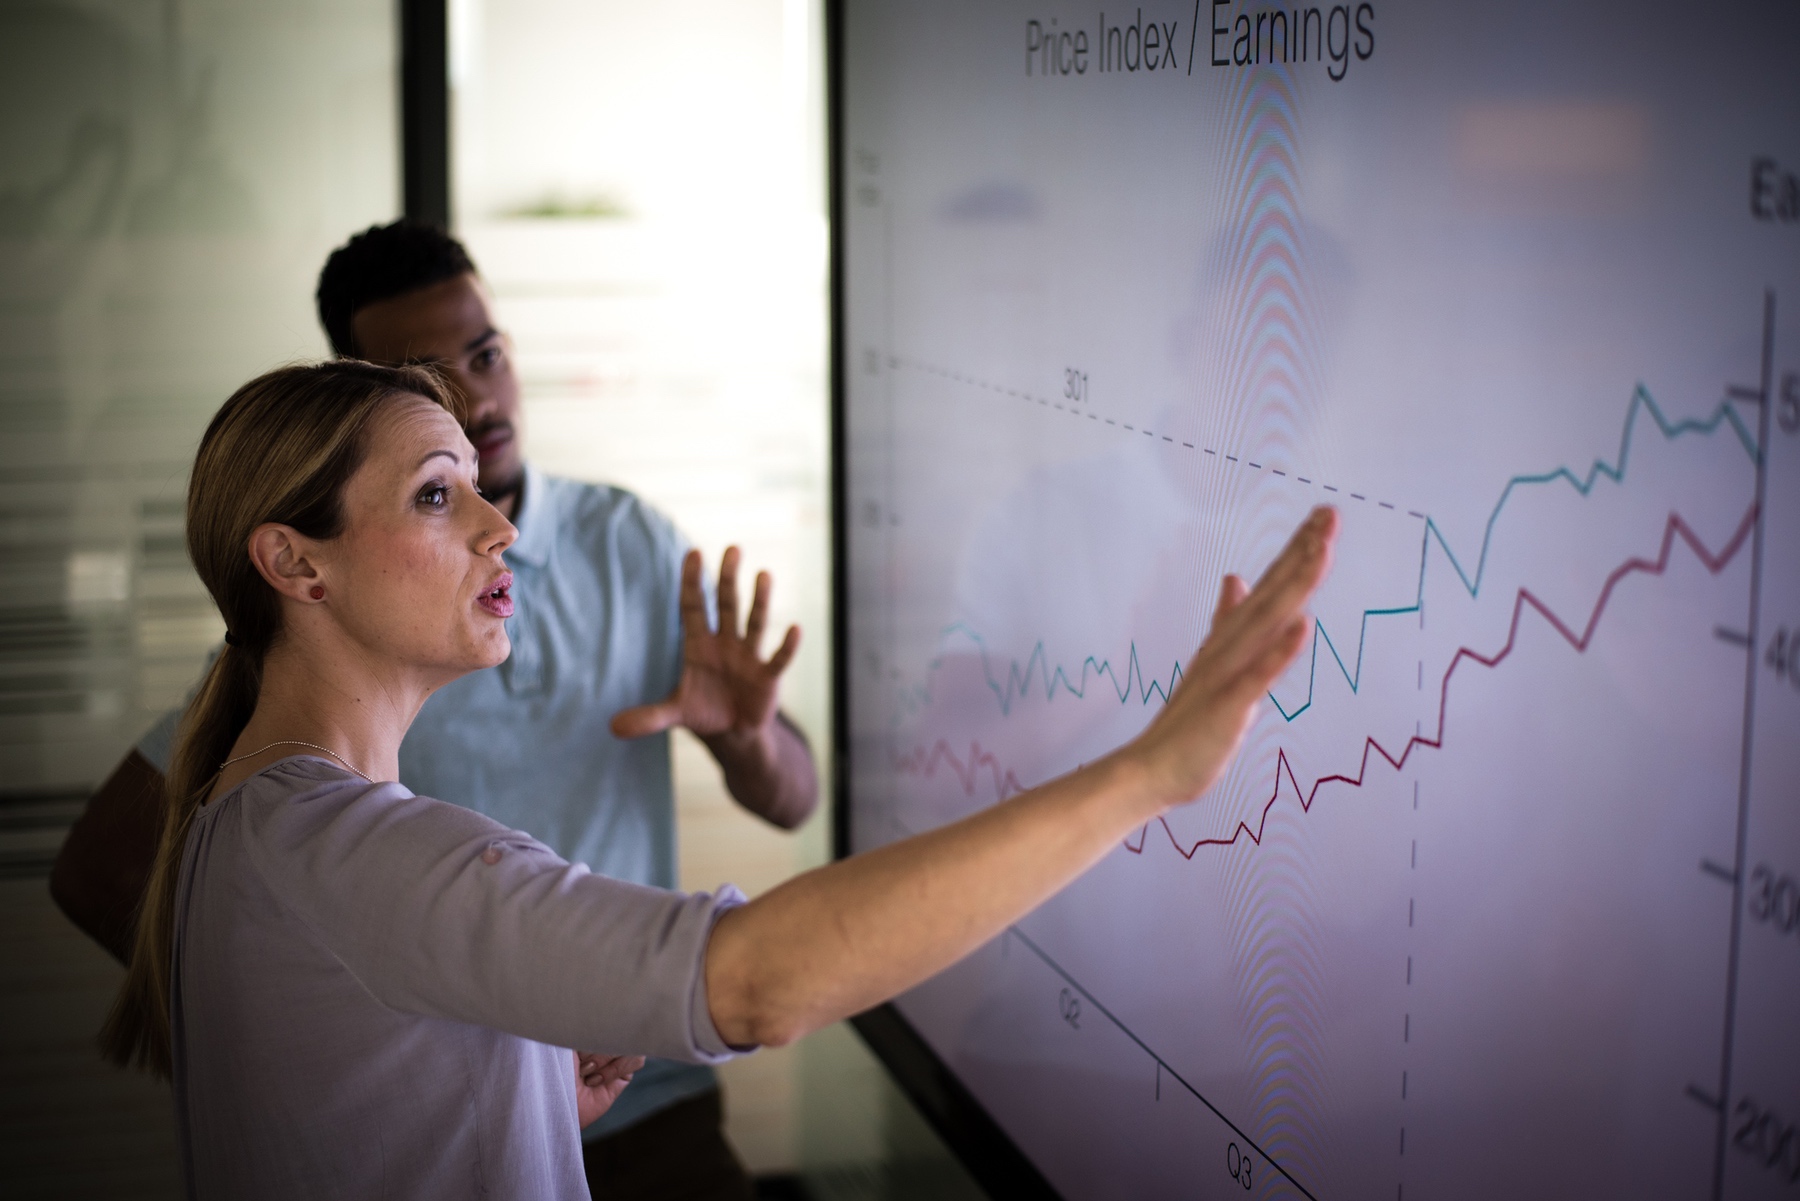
318	592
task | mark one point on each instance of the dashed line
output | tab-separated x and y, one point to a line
1044	402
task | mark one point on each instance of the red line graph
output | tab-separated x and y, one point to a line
926	763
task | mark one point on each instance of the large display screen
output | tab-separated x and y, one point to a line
1502	896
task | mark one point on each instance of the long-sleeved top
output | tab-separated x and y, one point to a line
374	993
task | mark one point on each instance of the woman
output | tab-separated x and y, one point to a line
361	992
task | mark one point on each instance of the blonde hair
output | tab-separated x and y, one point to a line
280	450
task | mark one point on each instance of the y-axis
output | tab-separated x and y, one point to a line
1765	402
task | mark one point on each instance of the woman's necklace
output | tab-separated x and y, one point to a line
295	742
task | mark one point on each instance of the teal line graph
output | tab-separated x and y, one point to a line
1135	682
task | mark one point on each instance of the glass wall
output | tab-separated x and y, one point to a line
172	173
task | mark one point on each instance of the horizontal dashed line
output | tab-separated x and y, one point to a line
1258	466
1358	496
1384	504
1277	471
1231	458
1328	487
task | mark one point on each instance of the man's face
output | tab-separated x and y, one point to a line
448	325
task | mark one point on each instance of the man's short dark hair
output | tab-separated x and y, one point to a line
383	261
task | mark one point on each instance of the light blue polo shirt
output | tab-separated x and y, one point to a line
596	628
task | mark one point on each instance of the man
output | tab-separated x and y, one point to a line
597	634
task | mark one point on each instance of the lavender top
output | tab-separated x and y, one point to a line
374	992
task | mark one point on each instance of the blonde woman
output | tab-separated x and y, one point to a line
362	992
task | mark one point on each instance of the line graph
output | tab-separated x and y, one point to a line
926	763
1016	681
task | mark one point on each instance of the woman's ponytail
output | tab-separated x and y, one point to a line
136	1033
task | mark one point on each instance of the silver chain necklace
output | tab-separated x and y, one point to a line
295	742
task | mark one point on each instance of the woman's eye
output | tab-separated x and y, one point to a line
434	495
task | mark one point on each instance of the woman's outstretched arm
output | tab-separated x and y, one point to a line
837	940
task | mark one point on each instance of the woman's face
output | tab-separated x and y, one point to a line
416	575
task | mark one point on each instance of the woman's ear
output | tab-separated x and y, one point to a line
286	558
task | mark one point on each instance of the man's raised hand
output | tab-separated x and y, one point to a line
725	687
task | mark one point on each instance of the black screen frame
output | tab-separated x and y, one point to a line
990	1156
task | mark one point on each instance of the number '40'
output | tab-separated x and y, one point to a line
1783	655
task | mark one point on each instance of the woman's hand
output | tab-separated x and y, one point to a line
599	1079
1255	635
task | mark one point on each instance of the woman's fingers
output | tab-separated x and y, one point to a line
1262	671
1231	594
1283	591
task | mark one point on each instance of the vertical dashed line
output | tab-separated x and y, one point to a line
1412	913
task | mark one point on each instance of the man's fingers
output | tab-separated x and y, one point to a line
643	720
759	613
693	598
1231	594
597	1071
784	654
728	598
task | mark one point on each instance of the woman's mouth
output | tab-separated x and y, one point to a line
498	598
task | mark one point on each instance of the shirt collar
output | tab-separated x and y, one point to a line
535	523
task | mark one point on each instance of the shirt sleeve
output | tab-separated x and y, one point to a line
158	743
442	912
